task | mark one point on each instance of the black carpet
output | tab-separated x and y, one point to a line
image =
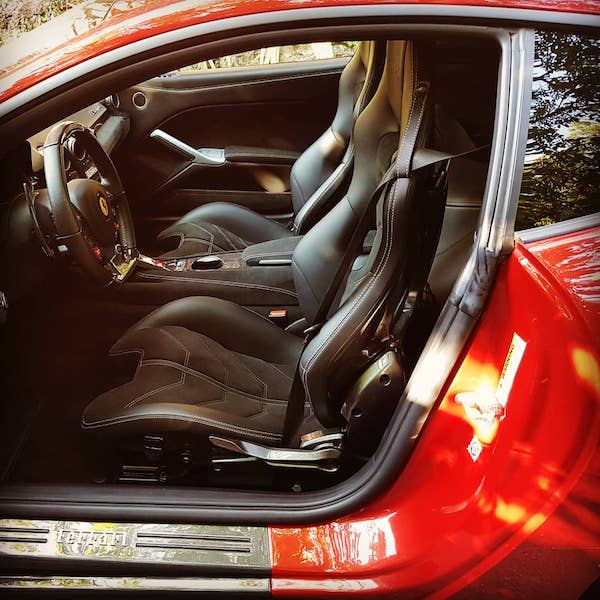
54	361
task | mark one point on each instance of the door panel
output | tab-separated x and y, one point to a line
227	135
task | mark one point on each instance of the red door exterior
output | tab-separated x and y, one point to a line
455	513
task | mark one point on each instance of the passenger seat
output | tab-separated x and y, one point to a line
316	176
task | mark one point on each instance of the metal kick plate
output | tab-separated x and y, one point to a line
200	586
210	549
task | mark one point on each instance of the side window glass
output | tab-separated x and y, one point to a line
274	55
561	177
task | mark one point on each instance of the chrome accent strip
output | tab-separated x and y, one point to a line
324	456
201	156
142	97
201	547
535	234
274	262
135	584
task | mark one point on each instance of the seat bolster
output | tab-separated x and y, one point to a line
205	366
169	417
231	325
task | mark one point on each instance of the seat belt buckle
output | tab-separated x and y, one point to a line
278	316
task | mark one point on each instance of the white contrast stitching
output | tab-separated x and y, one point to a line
219	282
304	369
193	418
155	391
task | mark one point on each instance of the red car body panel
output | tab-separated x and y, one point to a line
153	17
449	518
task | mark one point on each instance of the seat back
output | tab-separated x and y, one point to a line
325	165
383	130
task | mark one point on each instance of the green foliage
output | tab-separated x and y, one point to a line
561	179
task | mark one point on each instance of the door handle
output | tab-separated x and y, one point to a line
200	156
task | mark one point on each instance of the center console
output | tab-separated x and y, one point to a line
260	277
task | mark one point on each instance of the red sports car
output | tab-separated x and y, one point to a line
302	299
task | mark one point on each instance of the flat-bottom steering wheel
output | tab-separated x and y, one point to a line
92	218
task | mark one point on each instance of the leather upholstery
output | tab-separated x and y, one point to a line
208	365
323	167
201	370
466	187
315	177
271	250
221	227
334	354
320	251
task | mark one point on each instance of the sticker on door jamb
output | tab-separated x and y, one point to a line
509	370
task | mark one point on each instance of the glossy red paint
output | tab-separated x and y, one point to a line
574	260
148	18
448	519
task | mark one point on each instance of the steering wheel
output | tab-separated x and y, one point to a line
92	218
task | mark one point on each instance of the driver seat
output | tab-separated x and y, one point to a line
207	367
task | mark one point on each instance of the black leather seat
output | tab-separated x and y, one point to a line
202	369
315	177
210	366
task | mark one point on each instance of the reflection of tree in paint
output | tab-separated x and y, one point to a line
561	179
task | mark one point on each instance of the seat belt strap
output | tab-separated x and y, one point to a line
401	167
294	414
404	299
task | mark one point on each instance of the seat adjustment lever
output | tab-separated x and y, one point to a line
324	457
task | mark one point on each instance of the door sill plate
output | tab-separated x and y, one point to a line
158	552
